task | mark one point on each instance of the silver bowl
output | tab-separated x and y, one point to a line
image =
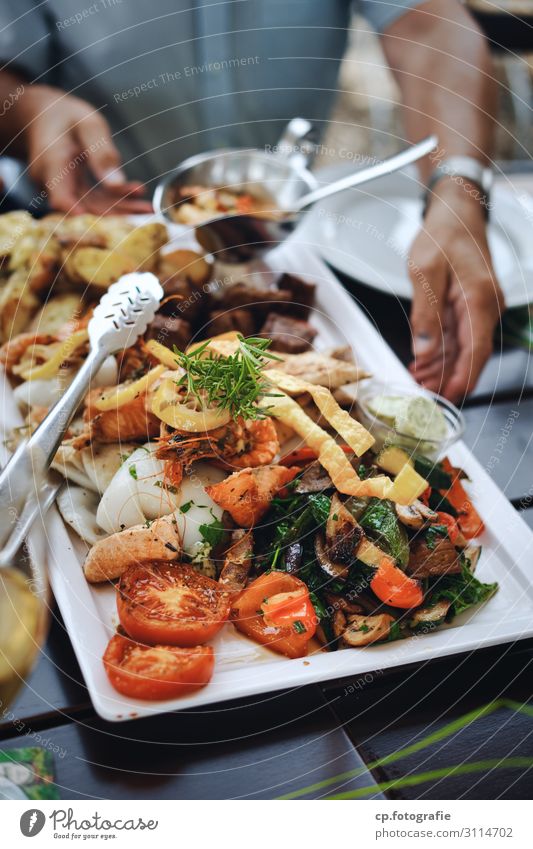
281	177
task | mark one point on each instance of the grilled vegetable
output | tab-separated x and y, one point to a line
394	587
393	458
363	630
463	590
381	523
429	617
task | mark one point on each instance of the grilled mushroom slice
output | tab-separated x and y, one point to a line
343	533
332	569
415	515
238	561
428	618
363	630
472	552
314	479
338	623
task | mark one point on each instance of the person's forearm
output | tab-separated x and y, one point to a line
20	101
12	89
443	66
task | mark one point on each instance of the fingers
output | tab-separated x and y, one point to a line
101	155
476	316
51	170
429	274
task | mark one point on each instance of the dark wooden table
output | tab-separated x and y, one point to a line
448	729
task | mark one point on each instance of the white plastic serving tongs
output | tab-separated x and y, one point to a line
123	314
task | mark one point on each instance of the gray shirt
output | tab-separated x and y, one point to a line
174	77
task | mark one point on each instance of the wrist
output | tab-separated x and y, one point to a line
459	194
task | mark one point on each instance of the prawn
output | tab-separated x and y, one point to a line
239	444
261	445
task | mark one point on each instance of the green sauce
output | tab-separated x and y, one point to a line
415	416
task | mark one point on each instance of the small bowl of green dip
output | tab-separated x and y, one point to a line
410	417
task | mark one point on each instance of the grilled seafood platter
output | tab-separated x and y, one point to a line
218	472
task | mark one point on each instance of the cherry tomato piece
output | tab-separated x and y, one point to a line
164	603
156	672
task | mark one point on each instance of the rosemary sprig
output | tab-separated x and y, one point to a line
233	383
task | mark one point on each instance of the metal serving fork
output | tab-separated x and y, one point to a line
123	314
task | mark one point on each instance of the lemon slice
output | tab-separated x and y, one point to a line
169	405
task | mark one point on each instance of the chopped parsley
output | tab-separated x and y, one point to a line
186	507
213	533
168	486
133	471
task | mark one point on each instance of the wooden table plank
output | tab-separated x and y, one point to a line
500	436
393	711
258	749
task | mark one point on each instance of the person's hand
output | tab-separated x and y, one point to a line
457	302
71	154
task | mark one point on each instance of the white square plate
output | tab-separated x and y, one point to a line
244	668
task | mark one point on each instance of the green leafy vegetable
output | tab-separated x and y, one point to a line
299	627
320	505
463	590
381	523
433	533
133	472
186	507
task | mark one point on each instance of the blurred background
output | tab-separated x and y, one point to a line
367	116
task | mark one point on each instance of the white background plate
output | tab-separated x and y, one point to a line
244	668
366	233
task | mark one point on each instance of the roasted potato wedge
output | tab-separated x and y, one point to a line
17	304
185	263
97	266
142	245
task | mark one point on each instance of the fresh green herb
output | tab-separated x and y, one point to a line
231	383
395	632
335	517
133	472
299	627
381	523
463	590
168	486
186	507
213	533
124	457
364	628
362	471
433	533
320	505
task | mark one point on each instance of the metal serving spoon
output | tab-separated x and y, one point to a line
280	180
123	314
